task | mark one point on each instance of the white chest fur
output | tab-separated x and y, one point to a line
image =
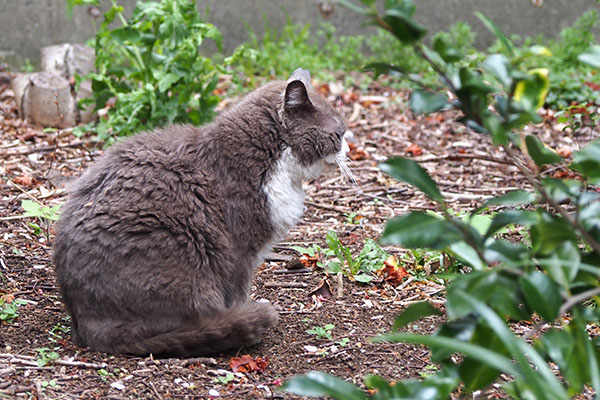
284	193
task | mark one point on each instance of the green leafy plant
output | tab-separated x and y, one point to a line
370	259
322	332
553	280
44	216
150	71
46	356
224	380
9	307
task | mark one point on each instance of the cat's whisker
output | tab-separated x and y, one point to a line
345	170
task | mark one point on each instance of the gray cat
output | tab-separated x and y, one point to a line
158	240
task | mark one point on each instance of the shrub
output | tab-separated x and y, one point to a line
554	281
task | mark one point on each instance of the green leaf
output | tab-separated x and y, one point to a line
587	161
511	198
542	381
417	229
468	255
412	173
315	384
519	217
399	19
542	294
415	312
446	51
353	7
563	265
591	57
491	26
31	208
530	92
560	347
549	233
485	356
167	80
364	278
380	68
498	65
474	373
424	102
540	153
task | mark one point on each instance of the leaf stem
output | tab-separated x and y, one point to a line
573	300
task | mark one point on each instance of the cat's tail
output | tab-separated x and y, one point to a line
239	326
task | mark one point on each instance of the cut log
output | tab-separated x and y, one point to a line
87	113
20	85
67	59
49	101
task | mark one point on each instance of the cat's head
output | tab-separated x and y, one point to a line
314	129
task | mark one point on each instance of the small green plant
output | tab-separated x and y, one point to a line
351	219
44	216
311	251
322	332
224	380
343	342
49	384
150	70
361	268
578	116
9	308
27	67
46	356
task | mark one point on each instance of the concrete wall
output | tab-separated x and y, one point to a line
27	25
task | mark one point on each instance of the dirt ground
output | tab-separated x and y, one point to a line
37	164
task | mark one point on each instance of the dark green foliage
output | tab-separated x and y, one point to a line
150	67
556	272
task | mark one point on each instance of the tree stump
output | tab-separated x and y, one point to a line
48	98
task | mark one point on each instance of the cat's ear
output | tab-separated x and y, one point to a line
296	92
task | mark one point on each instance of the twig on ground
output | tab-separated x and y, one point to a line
328	207
286	285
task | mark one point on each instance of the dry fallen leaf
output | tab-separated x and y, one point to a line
357	153
24	180
414	150
323	289
564	151
246	363
392	272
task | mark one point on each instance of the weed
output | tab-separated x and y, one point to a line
353	219
27	67
370	259
224	379
153	67
44	216
429	370
46	356
46	384
9	307
343	342
312	251
322	332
